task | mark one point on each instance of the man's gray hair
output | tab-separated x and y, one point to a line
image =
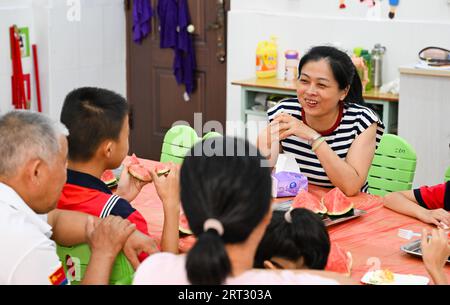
24	135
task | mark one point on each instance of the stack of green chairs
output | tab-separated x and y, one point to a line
177	142
393	166
447	174
211	134
78	259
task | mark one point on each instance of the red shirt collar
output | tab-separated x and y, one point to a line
335	125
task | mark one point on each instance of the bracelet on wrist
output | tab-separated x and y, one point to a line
317	143
314	138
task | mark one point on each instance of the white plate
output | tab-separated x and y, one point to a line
399	279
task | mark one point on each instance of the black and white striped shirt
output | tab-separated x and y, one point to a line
355	120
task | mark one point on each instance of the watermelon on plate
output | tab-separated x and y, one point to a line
306	200
337	204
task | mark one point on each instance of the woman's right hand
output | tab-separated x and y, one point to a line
268	143
287	125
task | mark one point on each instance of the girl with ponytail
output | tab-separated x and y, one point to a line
226	196
327	128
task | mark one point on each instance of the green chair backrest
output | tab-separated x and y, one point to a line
211	134
177	142
447	174
393	166
75	260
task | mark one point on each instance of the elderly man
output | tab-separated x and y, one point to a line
33	161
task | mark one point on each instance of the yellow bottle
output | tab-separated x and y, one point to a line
266	58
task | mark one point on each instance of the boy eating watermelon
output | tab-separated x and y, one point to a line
98	124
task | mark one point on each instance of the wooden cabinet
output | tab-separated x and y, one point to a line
424	121
386	105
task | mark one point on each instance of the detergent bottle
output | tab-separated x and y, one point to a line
266	58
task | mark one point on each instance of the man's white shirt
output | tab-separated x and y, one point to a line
27	254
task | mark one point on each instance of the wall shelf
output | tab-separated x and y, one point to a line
385	104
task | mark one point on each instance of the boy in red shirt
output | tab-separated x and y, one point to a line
98	125
429	204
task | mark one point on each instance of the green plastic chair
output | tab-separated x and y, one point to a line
121	274
447	174
211	134
393	166
177	142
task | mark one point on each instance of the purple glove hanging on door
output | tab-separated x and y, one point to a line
142	14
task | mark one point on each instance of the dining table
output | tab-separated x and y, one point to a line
372	238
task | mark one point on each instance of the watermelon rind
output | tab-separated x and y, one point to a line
163	172
349	213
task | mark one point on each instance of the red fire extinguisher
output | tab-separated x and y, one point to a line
19	98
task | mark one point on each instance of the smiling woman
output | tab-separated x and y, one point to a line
327	128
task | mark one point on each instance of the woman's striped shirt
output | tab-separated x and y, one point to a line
354	121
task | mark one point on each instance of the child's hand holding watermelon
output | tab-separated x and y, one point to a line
132	179
168	189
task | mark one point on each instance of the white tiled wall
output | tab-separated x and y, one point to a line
88	52
17	12
300	24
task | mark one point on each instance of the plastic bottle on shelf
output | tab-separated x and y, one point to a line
377	65
267	58
291	65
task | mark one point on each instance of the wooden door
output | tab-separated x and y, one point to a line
156	98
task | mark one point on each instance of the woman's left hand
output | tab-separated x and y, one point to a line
288	126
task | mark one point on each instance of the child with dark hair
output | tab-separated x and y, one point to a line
226	196
297	239
98	124
327	128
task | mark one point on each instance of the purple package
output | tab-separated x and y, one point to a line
288	184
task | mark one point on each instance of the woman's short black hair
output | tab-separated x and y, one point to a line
306	237
227	183
344	71
92	116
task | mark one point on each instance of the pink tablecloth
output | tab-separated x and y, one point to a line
372	238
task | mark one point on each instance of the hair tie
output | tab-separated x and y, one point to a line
287	215
214	224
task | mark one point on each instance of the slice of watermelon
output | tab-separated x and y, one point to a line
108	177
339	260
337	204
184	225
306	200
161	170
134	160
137	170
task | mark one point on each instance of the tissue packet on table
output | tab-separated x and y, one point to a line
288	184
